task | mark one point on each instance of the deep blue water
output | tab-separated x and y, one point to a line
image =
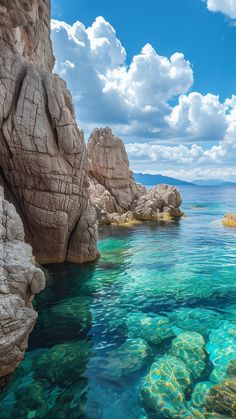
184	270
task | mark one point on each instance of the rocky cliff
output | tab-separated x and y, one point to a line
43	163
114	193
20	280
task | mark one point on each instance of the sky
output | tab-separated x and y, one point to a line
161	74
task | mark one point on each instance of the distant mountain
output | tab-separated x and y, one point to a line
151	180
213	182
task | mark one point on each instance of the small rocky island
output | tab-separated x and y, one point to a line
113	191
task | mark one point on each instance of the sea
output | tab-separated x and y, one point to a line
86	361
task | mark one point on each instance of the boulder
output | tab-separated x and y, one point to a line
190	347
163	389
229	220
20	281
221	399
222	350
153	329
160	203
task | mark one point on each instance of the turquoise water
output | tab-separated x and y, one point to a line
184	271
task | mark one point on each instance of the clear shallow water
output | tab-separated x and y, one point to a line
184	270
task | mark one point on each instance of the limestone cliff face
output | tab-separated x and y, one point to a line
20	280
43	162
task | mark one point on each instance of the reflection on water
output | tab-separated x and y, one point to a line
80	363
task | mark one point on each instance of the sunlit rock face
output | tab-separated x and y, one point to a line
229	220
117	198
43	164
112	186
20	281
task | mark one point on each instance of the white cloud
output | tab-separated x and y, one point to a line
199	116
228	7
199	131
225	173
107	90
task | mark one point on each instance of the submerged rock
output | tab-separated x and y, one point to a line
163	389
198	320
221	399
232	368
67	320
129	357
222	350
190	347
229	220
154	329
200	394
63	364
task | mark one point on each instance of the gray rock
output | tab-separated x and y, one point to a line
43	163
20	281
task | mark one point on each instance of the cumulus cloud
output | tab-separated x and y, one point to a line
135	99
106	89
228	7
199	116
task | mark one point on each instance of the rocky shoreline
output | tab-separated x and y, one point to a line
60	188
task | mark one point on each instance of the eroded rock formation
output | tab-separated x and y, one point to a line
43	163
112	186
114	193
20	280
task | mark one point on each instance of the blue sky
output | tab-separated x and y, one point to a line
176	116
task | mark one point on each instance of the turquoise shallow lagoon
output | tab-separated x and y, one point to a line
184	271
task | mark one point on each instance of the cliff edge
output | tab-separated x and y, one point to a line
43	161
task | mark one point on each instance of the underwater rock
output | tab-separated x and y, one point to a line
129	357
163	389
190	347
68	320
229	220
232	368
152	329
63	364
71	403
222	349
200	393
198	320
222	399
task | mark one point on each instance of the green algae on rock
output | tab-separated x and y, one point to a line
222	399
222	350
63	364
198	320
199	394
163	389
129	357
153	329
74	312
190	347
